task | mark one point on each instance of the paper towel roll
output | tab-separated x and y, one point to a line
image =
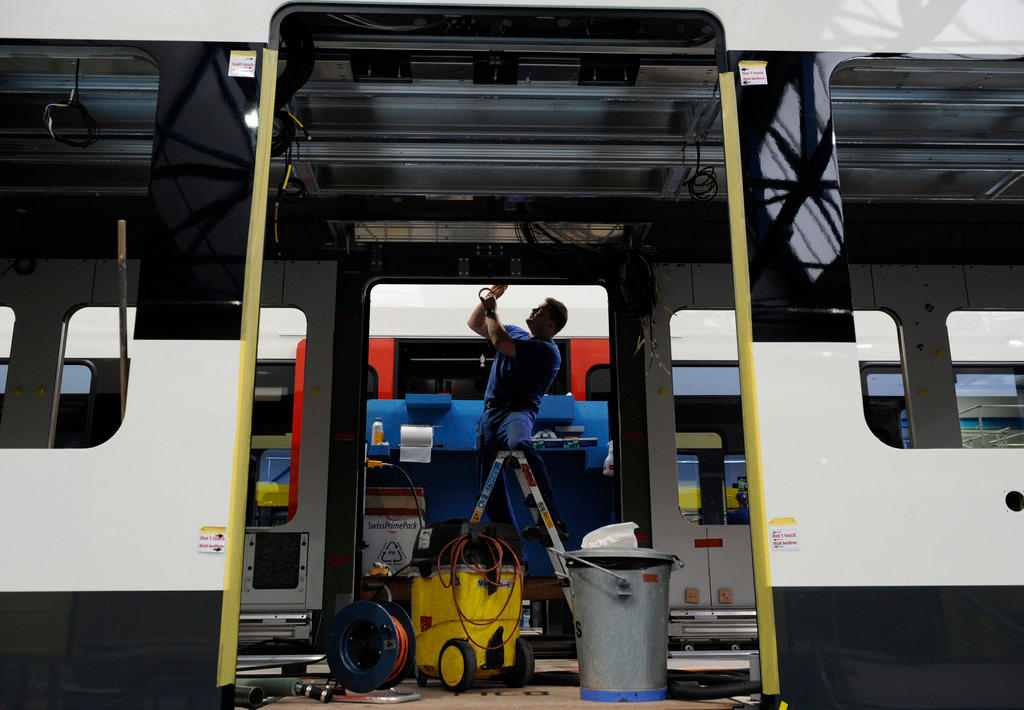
416	443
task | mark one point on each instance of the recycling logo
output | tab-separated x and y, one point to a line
391	553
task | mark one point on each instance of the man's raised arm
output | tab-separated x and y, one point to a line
484	321
477	320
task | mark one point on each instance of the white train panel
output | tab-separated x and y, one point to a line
868	514
126	515
945	27
93	333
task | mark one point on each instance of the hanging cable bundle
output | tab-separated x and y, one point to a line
632	290
301	58
297	39
92	128
292	189
703	184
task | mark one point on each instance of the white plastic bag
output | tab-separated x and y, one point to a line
615	535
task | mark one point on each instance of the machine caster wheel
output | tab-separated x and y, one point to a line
421	678
521	673
457	665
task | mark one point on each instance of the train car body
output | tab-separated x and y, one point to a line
783	162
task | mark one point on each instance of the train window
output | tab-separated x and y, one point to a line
6	334
987	348
709	443
885	406
709	421
275	410
708	415
688	469
89	403
599	383
990	402
75	401
75	406
706	381
372	382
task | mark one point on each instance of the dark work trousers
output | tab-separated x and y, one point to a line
503	430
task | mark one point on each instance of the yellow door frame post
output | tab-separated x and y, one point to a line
232	600
748	388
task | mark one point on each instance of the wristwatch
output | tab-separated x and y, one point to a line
490	313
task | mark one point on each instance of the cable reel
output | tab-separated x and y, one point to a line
371	646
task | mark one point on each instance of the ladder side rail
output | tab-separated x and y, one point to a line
528	484
485	493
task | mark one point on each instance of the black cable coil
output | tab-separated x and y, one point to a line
92	128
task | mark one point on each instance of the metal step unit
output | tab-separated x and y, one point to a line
274	588
264	626
728	627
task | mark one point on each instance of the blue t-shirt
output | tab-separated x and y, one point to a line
740	516
521	381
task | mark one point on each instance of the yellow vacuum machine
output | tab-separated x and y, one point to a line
467	593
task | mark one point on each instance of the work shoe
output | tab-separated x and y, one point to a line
540	534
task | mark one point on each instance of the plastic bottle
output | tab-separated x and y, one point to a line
377	435
609	461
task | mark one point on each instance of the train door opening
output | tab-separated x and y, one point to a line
439	147
716	607
423	423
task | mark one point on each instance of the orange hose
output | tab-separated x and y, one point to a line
403	650
456	556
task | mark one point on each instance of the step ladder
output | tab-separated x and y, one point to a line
539	511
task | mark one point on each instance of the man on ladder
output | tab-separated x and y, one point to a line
523	369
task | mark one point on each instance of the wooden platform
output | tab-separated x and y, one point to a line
491	695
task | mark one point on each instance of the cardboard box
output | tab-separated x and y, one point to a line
390	525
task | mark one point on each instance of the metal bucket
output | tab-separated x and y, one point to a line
621	622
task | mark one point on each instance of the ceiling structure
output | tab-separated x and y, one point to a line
426	124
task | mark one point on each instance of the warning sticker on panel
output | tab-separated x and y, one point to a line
242	63
423	542
783	534
753	72
212	539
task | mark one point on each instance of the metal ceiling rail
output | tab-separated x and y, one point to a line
928	156
419	231
483	153
567	45
566	91
932	97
